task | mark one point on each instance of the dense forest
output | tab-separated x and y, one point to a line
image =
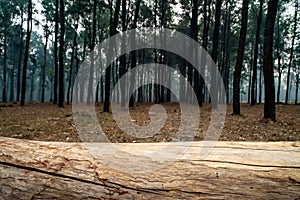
254	43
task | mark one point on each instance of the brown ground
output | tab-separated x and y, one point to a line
46	122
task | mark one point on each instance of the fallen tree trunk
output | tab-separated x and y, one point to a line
49	170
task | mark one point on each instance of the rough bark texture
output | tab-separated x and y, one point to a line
232	170
240	60
61	92
268	66
26	56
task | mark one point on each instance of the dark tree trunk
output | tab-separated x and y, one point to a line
26	55
44	70
55	53
206	23
292	53
257	41
20	57
112	32
214	91
12	79
90	97
250	74
122	68
240	60
4	97
268	67
194	34
74	49
133	53
278	59
61	55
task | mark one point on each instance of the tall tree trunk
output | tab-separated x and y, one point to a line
214	91
292	53
55	53
133	53
206	23
194	34
4	95
122	68
90	97
20	57
257	41
44	70
29	29
74	49
279	70
240	60
112	32
268	67
12	79
61	55
250	74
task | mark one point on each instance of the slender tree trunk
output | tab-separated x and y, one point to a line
133	53
20	58
12	79
250	74
214	91
113	31
278	59
90	97
29	29
240	60
4	95
61	55
32	82
194	34
44	70
268	67
122	68
56	52
257	41
292	53
74	49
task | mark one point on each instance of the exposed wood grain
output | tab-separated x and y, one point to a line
48	170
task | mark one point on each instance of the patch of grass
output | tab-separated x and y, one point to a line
68	115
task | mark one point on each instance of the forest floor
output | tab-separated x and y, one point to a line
47	122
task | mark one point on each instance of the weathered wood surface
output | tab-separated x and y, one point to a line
232	170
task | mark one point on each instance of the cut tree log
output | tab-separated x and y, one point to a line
232	170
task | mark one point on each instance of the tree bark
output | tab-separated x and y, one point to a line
55	53
4	95
90	97
44	68
29	29
292	53
112	32
257	41
123	60
268	67
61	92
20	57
133	53
232	170
240	60
214	91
